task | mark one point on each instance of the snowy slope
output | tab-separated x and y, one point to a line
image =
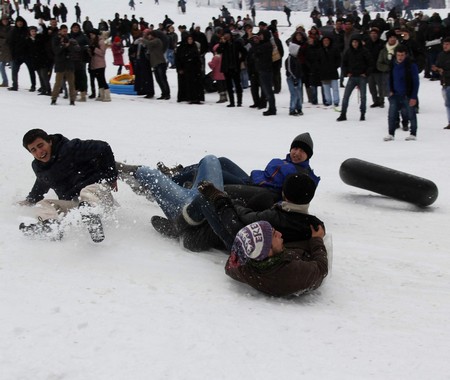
138	306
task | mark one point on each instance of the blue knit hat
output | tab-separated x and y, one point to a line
254	241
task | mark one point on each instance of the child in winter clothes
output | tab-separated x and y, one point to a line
294	80
217	75
117	50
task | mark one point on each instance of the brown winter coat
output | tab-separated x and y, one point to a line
300	267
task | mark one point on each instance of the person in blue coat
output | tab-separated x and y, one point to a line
240	185
403	90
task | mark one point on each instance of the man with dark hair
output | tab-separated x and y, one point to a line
156	50
356	65
64	50
82	173
403	90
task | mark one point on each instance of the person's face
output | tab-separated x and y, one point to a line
190	40
338	25
19	23
63	32
277	243
400	56
33	33
374	36
348	27
446	46
75	29
298	155
5	21
53	23
326	42
41	149
355	44
392	40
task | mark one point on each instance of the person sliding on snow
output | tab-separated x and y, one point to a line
82	173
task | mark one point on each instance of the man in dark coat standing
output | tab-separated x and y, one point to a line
356	65
262	53
18	45
64	65
78	13
82	173
233	54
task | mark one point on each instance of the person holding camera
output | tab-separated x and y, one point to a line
64	51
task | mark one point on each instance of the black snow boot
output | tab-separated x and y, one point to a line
92	222
165	227
46	229
342	117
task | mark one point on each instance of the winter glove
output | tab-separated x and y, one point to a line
210	192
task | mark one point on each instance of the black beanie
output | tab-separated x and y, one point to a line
299	188
304	141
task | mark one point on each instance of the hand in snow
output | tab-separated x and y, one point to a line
24	203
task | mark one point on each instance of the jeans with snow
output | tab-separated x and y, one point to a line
327	87
172	197
396	103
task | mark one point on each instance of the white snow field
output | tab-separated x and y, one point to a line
138	306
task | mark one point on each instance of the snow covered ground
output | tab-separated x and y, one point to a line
138	306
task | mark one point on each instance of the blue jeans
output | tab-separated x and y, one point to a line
352	82
170	56
446	95
396	102
3	73
232	174
172	197
296	94
327	87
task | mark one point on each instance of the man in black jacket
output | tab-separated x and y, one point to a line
17	41
64	50
356	65
82	173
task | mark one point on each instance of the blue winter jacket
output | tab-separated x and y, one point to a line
404	79
278	169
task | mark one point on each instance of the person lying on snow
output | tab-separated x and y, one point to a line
81	172
240	185
261	260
